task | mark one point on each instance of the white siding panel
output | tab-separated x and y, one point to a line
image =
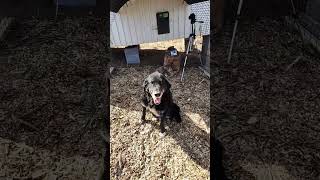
124	21
131	25
152	26
120	28
187	24
161	8
181	18
115	37
175	19
142	18
111	40
171	15
112	22
136	22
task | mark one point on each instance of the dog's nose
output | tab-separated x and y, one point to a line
157	95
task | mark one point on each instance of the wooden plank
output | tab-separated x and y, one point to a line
111	70
218	14
205	71
4	25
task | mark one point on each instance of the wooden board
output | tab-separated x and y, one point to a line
4	25
111	69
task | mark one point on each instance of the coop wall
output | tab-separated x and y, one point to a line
136	21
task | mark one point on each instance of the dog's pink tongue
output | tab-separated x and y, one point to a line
157	100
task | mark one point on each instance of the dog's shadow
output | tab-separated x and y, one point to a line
194	141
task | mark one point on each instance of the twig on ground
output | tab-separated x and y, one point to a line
105	138
13	117
294	62
217	107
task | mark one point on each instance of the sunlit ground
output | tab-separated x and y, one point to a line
137	151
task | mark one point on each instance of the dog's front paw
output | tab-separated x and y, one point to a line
142	121
162	135
179	120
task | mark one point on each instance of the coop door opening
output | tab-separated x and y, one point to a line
163	22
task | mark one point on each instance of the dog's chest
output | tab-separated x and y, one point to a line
156	110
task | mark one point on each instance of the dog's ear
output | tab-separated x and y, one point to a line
165	81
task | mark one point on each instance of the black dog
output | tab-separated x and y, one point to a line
158	100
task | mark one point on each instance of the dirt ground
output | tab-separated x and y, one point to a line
266	102
137	151
53	98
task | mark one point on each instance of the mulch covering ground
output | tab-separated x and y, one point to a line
266	101
137	151
53	93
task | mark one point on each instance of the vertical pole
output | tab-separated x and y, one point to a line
234	30
218	14
57	6
185	59
205	51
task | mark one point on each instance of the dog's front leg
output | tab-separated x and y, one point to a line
143	117
162	128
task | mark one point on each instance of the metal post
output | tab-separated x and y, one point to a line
185	59
57	7
234	30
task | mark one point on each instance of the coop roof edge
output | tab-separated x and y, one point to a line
115	5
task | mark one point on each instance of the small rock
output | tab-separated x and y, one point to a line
51	177
252	120
38	174
162	135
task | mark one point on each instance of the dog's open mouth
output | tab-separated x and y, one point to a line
157	98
